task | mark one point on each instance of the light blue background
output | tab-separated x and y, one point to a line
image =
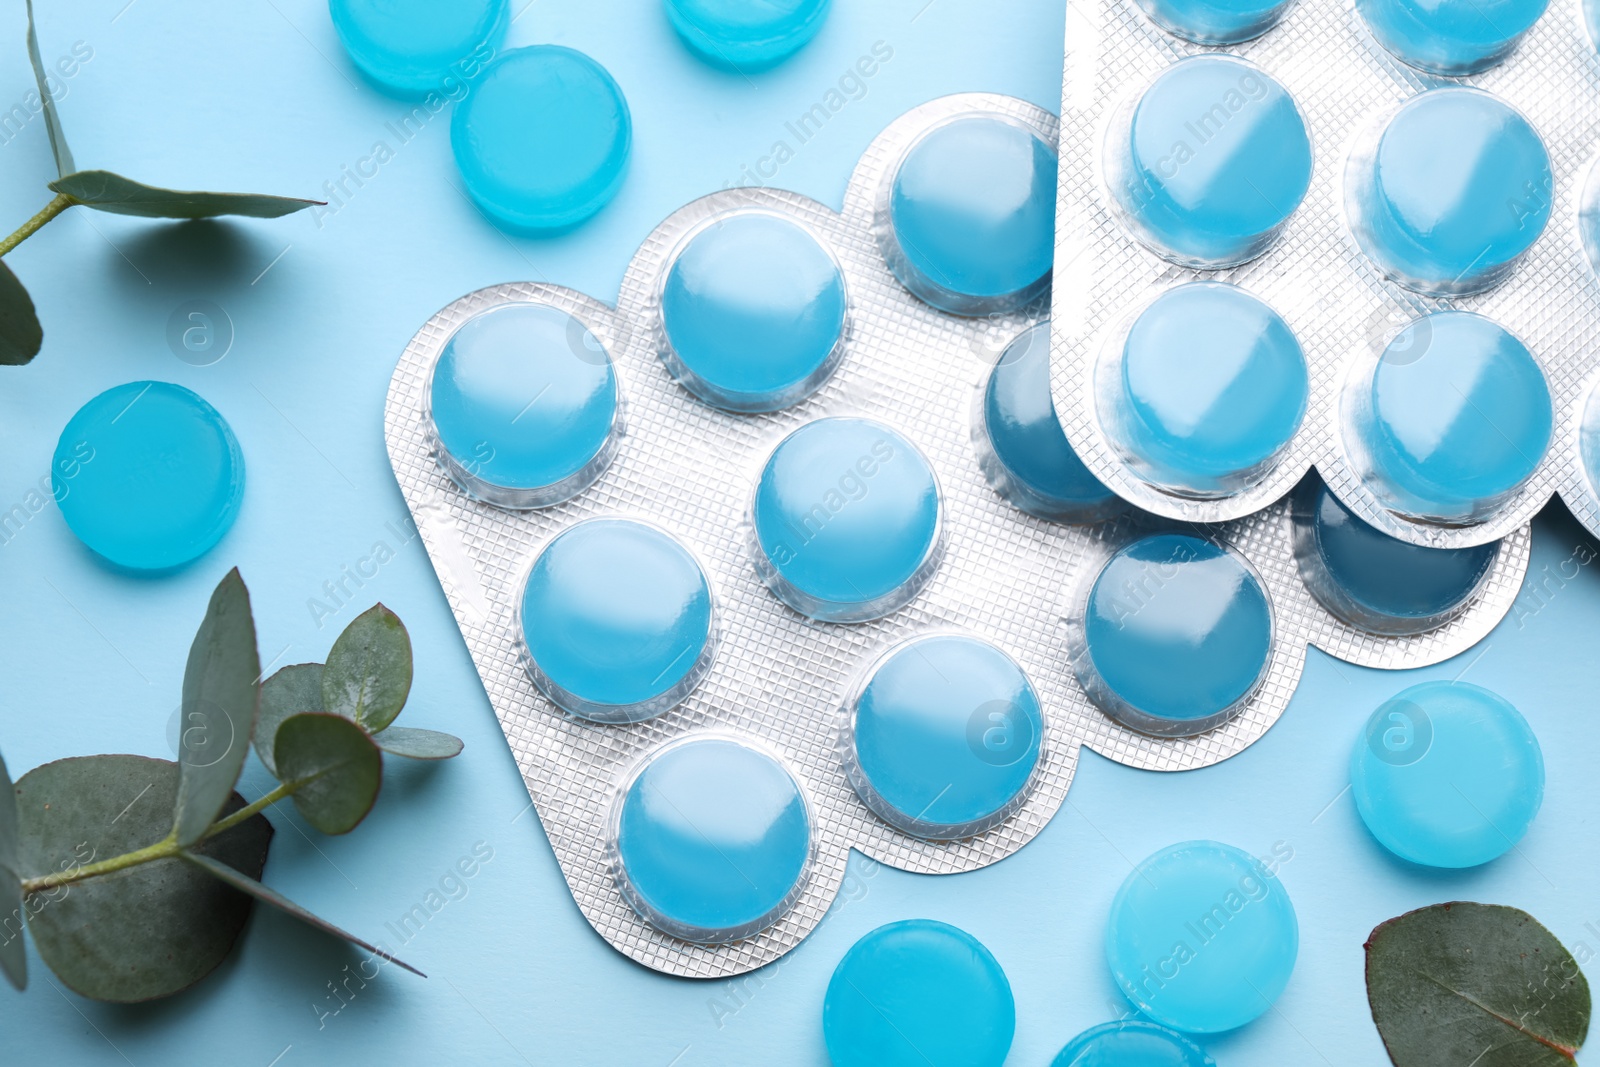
256	95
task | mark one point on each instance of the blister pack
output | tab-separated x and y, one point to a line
776	559
1317	233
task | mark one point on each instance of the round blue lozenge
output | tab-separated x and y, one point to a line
1216	21
711	839
1451	194
1447	774
1202	937
1589	438
1376	582
918	993
846	520
972	216
1211	162
943	736
1132	1043
745	36
617	621
524	403
1454	419
1176	634
1206	391
753	312
148	475
411	47
1451	37
542	139
1022	449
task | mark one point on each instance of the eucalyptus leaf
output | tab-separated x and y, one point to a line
106	191
368	674
52	116
21	336
293	689
146	931
13	953
1478	984
219	708
334	766
271	896
417	744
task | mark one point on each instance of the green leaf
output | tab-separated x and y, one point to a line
13	954
105	191
334	766
219	708
52	117
368	676
278	900
146	931
292	690
417	744
20	333
1478	984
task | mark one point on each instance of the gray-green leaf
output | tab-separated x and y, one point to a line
271	896
21	336
105	191
52	117
418	744
334	766
293	689
1478	984
13	954
368	675
219	708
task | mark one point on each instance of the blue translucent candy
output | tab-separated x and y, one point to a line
1210	388
1377	582
1450	37
525	405
1133	1043
1447	774
1452	194
1029	460
618	621
973	214
943	736
542	139
741	35
1211	163
1202	937
918	993
1176	635
846	520
1454	420
754	310
712	839
148	475
1216	21
411	47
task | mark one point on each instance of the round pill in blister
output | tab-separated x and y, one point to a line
915	993
618	621
1588	439
711	839
846	520
542	139
1202	937
1210	163
1449	194
743	36
524	406
1131	1043
1376	582
1205	391
412	47
942	736
1447	774
753	313
972	216
1173	635
1451	420
1451	37
1021	447
1216	21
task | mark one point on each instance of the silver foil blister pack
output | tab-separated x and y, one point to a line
782	681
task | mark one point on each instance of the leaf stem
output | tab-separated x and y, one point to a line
55	207
284	790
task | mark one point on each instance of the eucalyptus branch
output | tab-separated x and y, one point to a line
55	207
